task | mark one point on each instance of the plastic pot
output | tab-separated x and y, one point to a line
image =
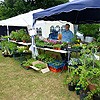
96	97
82	95
71	86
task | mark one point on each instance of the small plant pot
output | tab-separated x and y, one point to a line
5	55
14	39
77	92
27	67
92	86
78	89
10	56
24	41
58	49
71	87
55	48
83	95
96	97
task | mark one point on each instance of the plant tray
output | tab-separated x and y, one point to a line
61	65
57	70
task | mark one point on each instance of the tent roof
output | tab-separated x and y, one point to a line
21	20
76	11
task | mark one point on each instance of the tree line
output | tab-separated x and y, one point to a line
10	8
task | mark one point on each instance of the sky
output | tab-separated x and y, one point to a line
1	0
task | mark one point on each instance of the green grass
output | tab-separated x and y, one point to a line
16	83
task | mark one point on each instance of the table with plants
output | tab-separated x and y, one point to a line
56	46
17	44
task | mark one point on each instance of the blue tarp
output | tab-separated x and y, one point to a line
77	11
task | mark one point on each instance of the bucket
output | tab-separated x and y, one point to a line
88	39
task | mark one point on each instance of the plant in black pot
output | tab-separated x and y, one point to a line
64	46
72	78
78	88
96	94
93	95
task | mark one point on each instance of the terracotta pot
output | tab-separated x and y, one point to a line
14	39
58	48
27	67
92	86
24	41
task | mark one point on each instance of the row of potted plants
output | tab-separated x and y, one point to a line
26	64
58	45
53	44
10	49
20	35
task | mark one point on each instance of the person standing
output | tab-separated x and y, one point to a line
67	35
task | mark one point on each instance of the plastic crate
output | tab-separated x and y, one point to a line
61	64
57	70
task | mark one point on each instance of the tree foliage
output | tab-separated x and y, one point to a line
90	29
10	8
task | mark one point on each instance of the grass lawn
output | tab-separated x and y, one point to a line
16	83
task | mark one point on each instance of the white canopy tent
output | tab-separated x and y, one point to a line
21	20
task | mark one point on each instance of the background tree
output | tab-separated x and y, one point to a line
90	29
10	8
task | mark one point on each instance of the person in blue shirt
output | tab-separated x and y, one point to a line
67	35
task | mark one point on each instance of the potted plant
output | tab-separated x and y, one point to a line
25	38
64	46
72	78
28	63
8	48
96	94
93	78
83	94
5	37
13	35
93	95
57	46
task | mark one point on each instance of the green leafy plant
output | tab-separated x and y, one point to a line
8	48
28	62
57	46
5	37
92	93
40	66
13	35
89	29
22	49
19	34
26	38
74	39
